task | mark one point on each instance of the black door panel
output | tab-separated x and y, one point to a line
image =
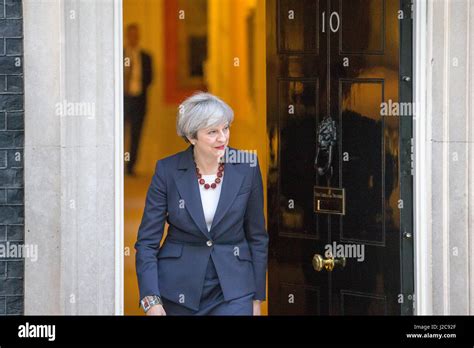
337	58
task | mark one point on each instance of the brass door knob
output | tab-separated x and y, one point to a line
328	264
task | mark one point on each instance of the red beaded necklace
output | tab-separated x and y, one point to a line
217	180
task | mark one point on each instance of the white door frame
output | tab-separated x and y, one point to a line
422	162
74	161
119	162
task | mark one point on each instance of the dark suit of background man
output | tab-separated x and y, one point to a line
138	76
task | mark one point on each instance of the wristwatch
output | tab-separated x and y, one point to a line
149	301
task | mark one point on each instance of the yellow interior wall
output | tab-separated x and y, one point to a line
159	138
227	39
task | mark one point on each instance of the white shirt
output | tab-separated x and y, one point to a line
136	72
210	198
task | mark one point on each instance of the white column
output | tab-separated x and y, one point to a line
73	146
447	181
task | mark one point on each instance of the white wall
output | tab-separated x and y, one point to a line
445	161
72	185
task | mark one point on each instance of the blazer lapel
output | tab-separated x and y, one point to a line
230	187
188	188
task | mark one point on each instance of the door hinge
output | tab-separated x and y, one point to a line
407	163
410	8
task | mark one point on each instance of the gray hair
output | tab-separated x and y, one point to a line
201	110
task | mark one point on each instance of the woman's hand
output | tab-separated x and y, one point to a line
256	307
156	310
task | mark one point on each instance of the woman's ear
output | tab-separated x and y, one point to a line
192	140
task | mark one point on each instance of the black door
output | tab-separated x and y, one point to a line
339	184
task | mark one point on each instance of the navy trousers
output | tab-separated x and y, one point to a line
212	300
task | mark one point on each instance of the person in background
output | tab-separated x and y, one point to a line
138	75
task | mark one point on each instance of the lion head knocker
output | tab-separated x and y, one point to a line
327	140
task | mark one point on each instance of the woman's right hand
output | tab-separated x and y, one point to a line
156	310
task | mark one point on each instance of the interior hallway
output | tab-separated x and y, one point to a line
234	70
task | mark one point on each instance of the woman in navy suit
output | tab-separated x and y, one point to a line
214	258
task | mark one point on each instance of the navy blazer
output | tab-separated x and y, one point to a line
237	240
